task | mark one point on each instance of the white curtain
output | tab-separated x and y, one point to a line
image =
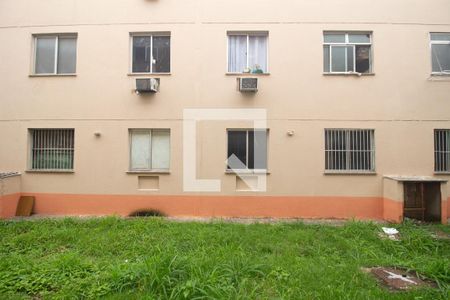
257	59
237	53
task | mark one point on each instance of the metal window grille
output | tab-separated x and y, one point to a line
442	150
52	149
349	150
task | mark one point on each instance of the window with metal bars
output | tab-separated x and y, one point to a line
52	149
442	150
349	150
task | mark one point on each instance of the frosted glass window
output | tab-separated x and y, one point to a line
338	59
67	55
347	53
55	54
440	53
45	55
160	149
247	53
150	54
150	149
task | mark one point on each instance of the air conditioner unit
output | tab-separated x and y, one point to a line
147	85
248	84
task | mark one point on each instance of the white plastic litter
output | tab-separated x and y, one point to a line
389	231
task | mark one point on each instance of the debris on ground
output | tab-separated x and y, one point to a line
440	235
398	279
390	233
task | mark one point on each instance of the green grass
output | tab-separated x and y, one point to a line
151	258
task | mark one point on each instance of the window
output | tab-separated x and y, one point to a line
349	150
55	54
347	52
440	53
150	149
442	150
247	53
150	53
52	149
247	149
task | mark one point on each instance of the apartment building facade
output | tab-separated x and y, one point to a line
355	97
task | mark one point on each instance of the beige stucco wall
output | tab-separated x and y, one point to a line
402	102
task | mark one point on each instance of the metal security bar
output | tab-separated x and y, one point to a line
442	150
349	150
52	149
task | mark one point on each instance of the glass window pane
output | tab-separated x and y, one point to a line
359	38
334	38
237	145
441	36
363	60
338	63
326	58
141	54
67	53
161	54
237	53
350	65
160	149
257	57
260	149
440	58
140	150
45	55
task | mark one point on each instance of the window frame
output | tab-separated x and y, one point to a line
345	44
151	35
247	34
130	151
57	36
247	170
31	147
447	132
437	42
348	152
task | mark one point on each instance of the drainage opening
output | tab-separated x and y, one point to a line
147	213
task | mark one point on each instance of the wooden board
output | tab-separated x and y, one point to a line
25	206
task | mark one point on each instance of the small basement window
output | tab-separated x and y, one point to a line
442	150
345	53
440	53
52	149
349	150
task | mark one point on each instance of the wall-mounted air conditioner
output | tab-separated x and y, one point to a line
248	84
147	85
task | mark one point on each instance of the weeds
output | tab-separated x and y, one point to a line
153	258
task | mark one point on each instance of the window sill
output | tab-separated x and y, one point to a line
442	173
350	172
247	74
51	171
347	74
149	74
53	75
247	172
149	172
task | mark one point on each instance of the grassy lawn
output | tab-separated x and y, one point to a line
154	258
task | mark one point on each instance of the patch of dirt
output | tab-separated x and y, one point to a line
398	279
438	234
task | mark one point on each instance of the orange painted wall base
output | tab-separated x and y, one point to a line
364	208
